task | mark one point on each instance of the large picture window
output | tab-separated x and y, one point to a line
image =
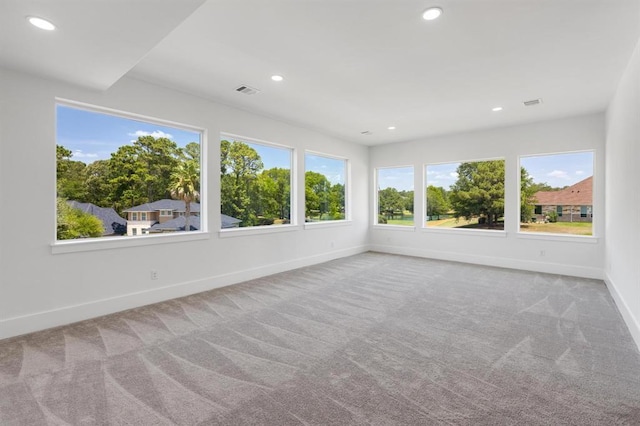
117	173
255	183
324	192
395	196
467	195
556	191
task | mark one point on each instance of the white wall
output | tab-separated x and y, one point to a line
564	255
39	289
623	196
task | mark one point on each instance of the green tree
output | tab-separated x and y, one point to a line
275	193
317	193
437	201
527	195
97	177
407	196
389	201
70	182
74	223
141	172
479	191
337	201
239	168
185	186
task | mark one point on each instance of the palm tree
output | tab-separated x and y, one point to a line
185	185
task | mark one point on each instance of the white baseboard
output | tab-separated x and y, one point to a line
69	314
527	265
633	323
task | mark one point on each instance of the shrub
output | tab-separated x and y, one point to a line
382	219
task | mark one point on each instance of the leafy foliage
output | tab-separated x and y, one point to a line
74	223
479	191
392	201
437	201
185	186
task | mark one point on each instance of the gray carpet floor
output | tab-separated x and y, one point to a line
368	339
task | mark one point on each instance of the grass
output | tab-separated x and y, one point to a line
406	220
572	228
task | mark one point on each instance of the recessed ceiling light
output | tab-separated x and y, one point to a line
277	78
432	13
391	127
496	109
43	24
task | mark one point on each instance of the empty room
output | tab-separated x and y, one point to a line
345	212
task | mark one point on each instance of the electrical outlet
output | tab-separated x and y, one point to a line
332	244
154	274
543	253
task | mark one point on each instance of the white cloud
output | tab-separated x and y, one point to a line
579	172
156	134
79	154
558	174
454	175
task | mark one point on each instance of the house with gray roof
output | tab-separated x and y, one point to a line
167	216
141	218
112	222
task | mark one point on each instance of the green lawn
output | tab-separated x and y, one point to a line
406	220
452	222
572	228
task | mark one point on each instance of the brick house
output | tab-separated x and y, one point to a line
571	204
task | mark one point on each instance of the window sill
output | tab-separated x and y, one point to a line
472	232
588	239
411	228
256	230
109	243
327	224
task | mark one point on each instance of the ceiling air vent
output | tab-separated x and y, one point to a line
366	133
247	90
532	102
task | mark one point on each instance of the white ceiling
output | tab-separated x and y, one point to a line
349	65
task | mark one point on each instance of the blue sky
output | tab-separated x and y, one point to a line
271	156
94	136
400	178
559	170
332	168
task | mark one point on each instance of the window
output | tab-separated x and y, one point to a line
109	163
560	186
468	195
255	179
583	211
395	196
165	213
324	191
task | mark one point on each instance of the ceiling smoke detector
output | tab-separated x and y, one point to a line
532	102
247	90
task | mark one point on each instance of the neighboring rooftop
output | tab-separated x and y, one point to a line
165	204
579	194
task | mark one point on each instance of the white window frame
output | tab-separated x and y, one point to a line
347	191
377	225
108	243
293	203
500	233
590	239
